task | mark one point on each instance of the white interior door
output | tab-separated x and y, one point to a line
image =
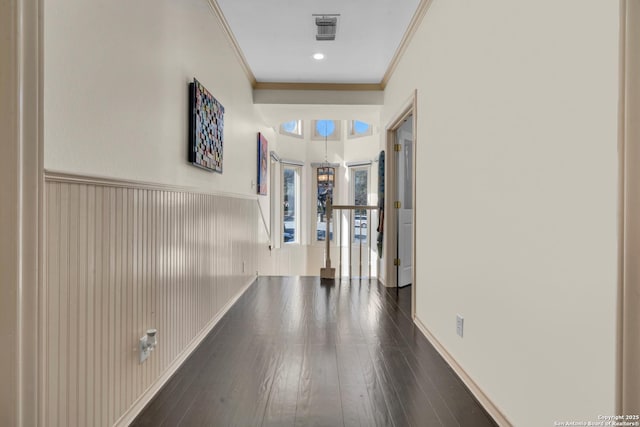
404	159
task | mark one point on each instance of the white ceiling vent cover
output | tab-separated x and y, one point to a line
326	26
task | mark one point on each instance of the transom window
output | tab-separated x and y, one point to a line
292	128
326	129
358	129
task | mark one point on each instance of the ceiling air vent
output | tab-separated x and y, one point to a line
326	26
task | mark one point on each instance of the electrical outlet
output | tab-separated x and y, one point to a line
459	325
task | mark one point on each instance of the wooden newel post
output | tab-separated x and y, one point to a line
327	272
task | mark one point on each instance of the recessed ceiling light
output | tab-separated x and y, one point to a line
318	56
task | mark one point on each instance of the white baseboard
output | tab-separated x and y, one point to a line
128	417
484	400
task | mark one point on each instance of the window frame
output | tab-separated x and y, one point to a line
336	136
297	192
314	209
299	135
275	175
366	166
352	134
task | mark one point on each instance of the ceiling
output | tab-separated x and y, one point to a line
277	38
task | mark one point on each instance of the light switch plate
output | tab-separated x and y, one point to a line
459	325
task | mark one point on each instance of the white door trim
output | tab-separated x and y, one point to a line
628	332
21	190
409	108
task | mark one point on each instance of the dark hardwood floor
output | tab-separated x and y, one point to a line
295	352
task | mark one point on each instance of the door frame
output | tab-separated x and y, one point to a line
399	160
21	211
628	332
409	108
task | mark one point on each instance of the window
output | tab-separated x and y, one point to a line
358	129
359	182
329	129
292	128
291	204
325	180
275	195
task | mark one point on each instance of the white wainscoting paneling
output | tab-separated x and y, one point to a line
122	257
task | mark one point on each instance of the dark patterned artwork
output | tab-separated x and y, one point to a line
205	128
263	160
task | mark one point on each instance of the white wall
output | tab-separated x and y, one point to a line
116	80
516	197
116	77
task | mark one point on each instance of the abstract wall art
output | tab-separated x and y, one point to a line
206	127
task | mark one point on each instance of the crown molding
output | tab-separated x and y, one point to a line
353	87
217	11
421	11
